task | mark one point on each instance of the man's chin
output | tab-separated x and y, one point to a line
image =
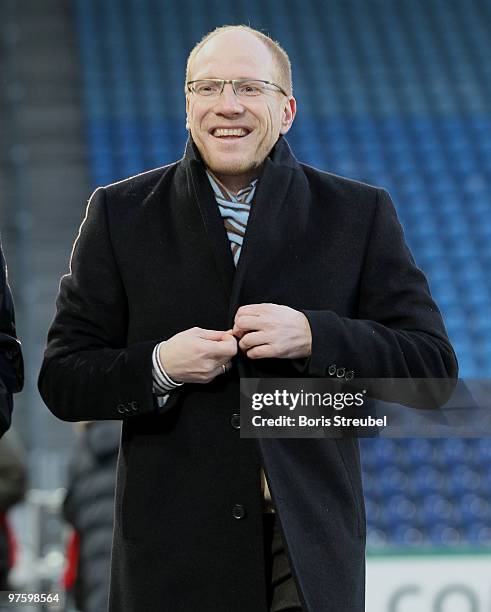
231	167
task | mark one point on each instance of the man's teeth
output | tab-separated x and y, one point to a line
219	132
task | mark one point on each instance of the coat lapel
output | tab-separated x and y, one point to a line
191	220
277	220
203	195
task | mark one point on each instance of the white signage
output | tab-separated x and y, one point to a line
429	583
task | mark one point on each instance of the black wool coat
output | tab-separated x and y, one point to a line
11	361
153	259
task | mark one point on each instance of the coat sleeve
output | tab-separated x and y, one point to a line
11	362
88	371
399	331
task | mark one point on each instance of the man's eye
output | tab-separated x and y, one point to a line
250	89
206	88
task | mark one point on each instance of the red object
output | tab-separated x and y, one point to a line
11	540
72	555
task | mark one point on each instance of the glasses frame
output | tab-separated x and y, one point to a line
233	82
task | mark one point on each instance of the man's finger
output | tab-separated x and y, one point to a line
210	334
253	310
248	323
228	366
253	339
260	352
238	333
227	340
223	350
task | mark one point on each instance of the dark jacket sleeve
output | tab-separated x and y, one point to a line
399	331
11	363
88	371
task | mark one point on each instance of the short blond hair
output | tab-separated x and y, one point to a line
279	55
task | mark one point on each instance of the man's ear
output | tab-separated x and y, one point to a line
289	113
187	112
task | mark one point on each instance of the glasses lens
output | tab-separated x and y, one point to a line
207	88
250	88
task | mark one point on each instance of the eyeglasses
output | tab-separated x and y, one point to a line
243	88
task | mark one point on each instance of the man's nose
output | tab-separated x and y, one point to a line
228	102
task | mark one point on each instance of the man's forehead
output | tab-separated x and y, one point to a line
238	54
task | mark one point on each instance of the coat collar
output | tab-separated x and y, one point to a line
279	204
278	216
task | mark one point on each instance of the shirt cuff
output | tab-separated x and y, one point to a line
162	382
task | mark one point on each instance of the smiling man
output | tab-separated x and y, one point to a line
235	261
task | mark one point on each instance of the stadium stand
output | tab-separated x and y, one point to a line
396	94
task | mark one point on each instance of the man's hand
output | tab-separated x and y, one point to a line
197	355
272	330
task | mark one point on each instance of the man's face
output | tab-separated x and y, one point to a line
235	159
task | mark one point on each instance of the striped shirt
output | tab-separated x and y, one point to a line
234	209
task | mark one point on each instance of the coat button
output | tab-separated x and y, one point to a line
340	372
235	421
238	511
332	369
121	408
349	375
